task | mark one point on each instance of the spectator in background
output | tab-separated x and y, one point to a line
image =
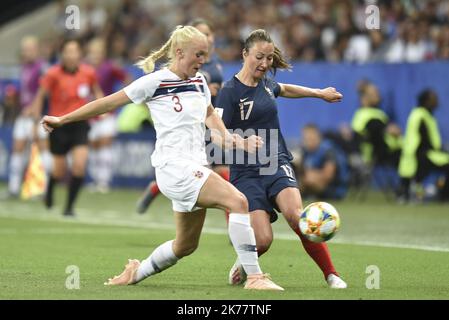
358	49
322	168
104	128
23	132
422	152
9	107
380	140
441	37
134	118
334	30
211	69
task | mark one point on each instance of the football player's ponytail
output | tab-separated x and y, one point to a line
279	61
180	37
147	64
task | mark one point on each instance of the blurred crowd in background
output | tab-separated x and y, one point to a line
318	30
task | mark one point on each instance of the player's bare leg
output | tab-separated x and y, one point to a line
223	171
80	155
16	169
105	170
57	174
188	232
215	193
221	194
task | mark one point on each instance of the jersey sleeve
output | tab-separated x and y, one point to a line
225	106
275	87
206	90
142	89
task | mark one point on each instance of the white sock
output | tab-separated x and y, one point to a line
92	167
105	161
244	242
162	258
47	161
16	170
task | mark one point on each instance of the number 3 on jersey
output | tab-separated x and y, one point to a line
242	105
178	105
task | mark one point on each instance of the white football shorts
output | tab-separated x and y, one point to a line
181	182
24	129
104	127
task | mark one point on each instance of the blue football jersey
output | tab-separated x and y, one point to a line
254	109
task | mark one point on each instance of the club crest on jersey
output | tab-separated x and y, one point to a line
198	174
269	91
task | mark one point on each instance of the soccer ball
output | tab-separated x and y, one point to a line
319	221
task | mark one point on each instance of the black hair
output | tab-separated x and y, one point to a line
311	126
424	96
68	40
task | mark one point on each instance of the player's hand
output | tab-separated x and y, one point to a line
394	130
330	94
49	123
252	143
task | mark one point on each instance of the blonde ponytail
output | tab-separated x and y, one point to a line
147	64
180	36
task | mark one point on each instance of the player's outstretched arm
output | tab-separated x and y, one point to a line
87	111
221	136
329	94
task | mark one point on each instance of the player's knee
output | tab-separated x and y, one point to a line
19	146
58	173
78	172
263	244
79	169
240	203
106	141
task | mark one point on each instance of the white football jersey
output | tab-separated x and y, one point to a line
178	109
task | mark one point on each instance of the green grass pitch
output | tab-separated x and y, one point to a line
408	244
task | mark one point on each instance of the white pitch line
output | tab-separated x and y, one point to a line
115	222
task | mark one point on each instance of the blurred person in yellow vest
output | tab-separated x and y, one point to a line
134	118
380	139
422	152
